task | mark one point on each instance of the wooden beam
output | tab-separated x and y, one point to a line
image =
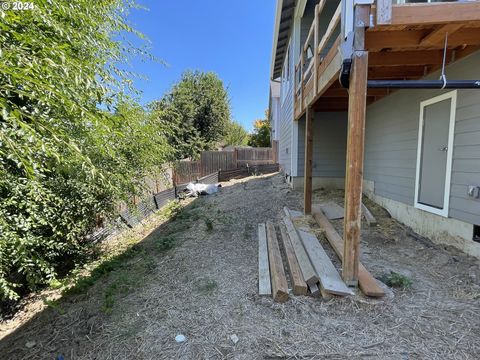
355	150
343	93
401	58
264	286
434	13
314	290
413	39
308	272
437	36
307	180
396	72
279	281
422	38
368	216
378	40
330	280
384	12
298	284
367	282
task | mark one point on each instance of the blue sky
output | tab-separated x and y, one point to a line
232	38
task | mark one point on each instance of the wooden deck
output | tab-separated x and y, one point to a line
383	42
404	41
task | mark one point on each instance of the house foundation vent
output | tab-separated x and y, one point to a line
476	233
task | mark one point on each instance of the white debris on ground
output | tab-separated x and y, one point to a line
195	190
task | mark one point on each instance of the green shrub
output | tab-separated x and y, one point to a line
71	142
397	280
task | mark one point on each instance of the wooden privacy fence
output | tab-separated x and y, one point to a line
186	171
254	156
213	161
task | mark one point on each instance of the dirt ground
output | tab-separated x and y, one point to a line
205	287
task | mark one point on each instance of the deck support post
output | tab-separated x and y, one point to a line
307	178
355	149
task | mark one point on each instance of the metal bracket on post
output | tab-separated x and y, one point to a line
346	53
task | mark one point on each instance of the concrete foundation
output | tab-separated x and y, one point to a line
441	230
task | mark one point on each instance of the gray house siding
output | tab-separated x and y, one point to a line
329	145
286	120
285	143
392	139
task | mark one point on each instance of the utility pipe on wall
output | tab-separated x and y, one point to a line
423	84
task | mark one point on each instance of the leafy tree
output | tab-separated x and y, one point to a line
197	109
261	132
65	158
235	135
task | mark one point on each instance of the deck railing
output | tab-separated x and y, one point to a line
319	50
311	57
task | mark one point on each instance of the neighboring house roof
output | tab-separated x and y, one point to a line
283	25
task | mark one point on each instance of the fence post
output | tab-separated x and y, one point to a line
235	157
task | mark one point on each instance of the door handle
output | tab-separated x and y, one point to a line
445	148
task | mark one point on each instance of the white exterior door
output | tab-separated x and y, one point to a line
434	156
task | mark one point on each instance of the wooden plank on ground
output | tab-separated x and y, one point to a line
314	289
294	214
264	285
368	284
332	210
298	284
330	280
368	216
279	281
306	267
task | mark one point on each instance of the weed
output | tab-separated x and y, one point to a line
225	219
54	305
207	286
247	231
166	243
122	285
171	210
208	224
397	280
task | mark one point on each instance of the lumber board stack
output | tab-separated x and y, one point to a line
329	280
310	269
368	284
306	267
